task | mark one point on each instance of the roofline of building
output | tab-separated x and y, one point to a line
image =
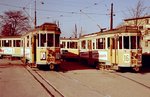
144	17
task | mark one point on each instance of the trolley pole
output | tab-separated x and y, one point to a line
35	20
111	17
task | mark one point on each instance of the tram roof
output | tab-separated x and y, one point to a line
144	17
123	29
18	36
47	27
65	38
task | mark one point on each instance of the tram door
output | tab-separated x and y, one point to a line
114	51
34	49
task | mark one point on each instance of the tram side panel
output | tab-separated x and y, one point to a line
12	47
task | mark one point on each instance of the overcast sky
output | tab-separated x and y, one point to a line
86	14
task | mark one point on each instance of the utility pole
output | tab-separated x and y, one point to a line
35	20
111	17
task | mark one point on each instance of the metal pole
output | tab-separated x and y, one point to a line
111	17
35	15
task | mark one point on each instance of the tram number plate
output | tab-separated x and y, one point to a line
126	58
43	55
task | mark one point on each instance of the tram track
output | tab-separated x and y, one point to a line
48	87
135	81
36	75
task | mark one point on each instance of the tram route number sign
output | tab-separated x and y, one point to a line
43	55
126	58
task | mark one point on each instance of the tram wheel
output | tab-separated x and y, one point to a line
51	66
136	68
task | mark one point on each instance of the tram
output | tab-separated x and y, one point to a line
112	49
69	48
41	46
11	46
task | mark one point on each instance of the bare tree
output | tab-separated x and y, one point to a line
138	11
14	23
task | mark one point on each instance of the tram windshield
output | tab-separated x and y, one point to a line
131	42
49	40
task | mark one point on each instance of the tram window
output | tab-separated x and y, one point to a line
133	42
37	37
43	40
126	42
83	44
120	42
50	40
6	43
138	41
93	45
113	43
0	43
101	43
68	44
27	41
63	44
108	42
89	44
17	43
73	45
57	40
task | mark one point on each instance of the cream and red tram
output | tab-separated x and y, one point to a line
11	46
41	46
113	49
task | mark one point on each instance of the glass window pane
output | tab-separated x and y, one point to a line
133	42
7	43
126	42
108	43
38	41
57	40
63	44
73	45
17	43
89	44
138	41
83	44
50	40
43	40
113	43
27	41
120	42
101	43
68	44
